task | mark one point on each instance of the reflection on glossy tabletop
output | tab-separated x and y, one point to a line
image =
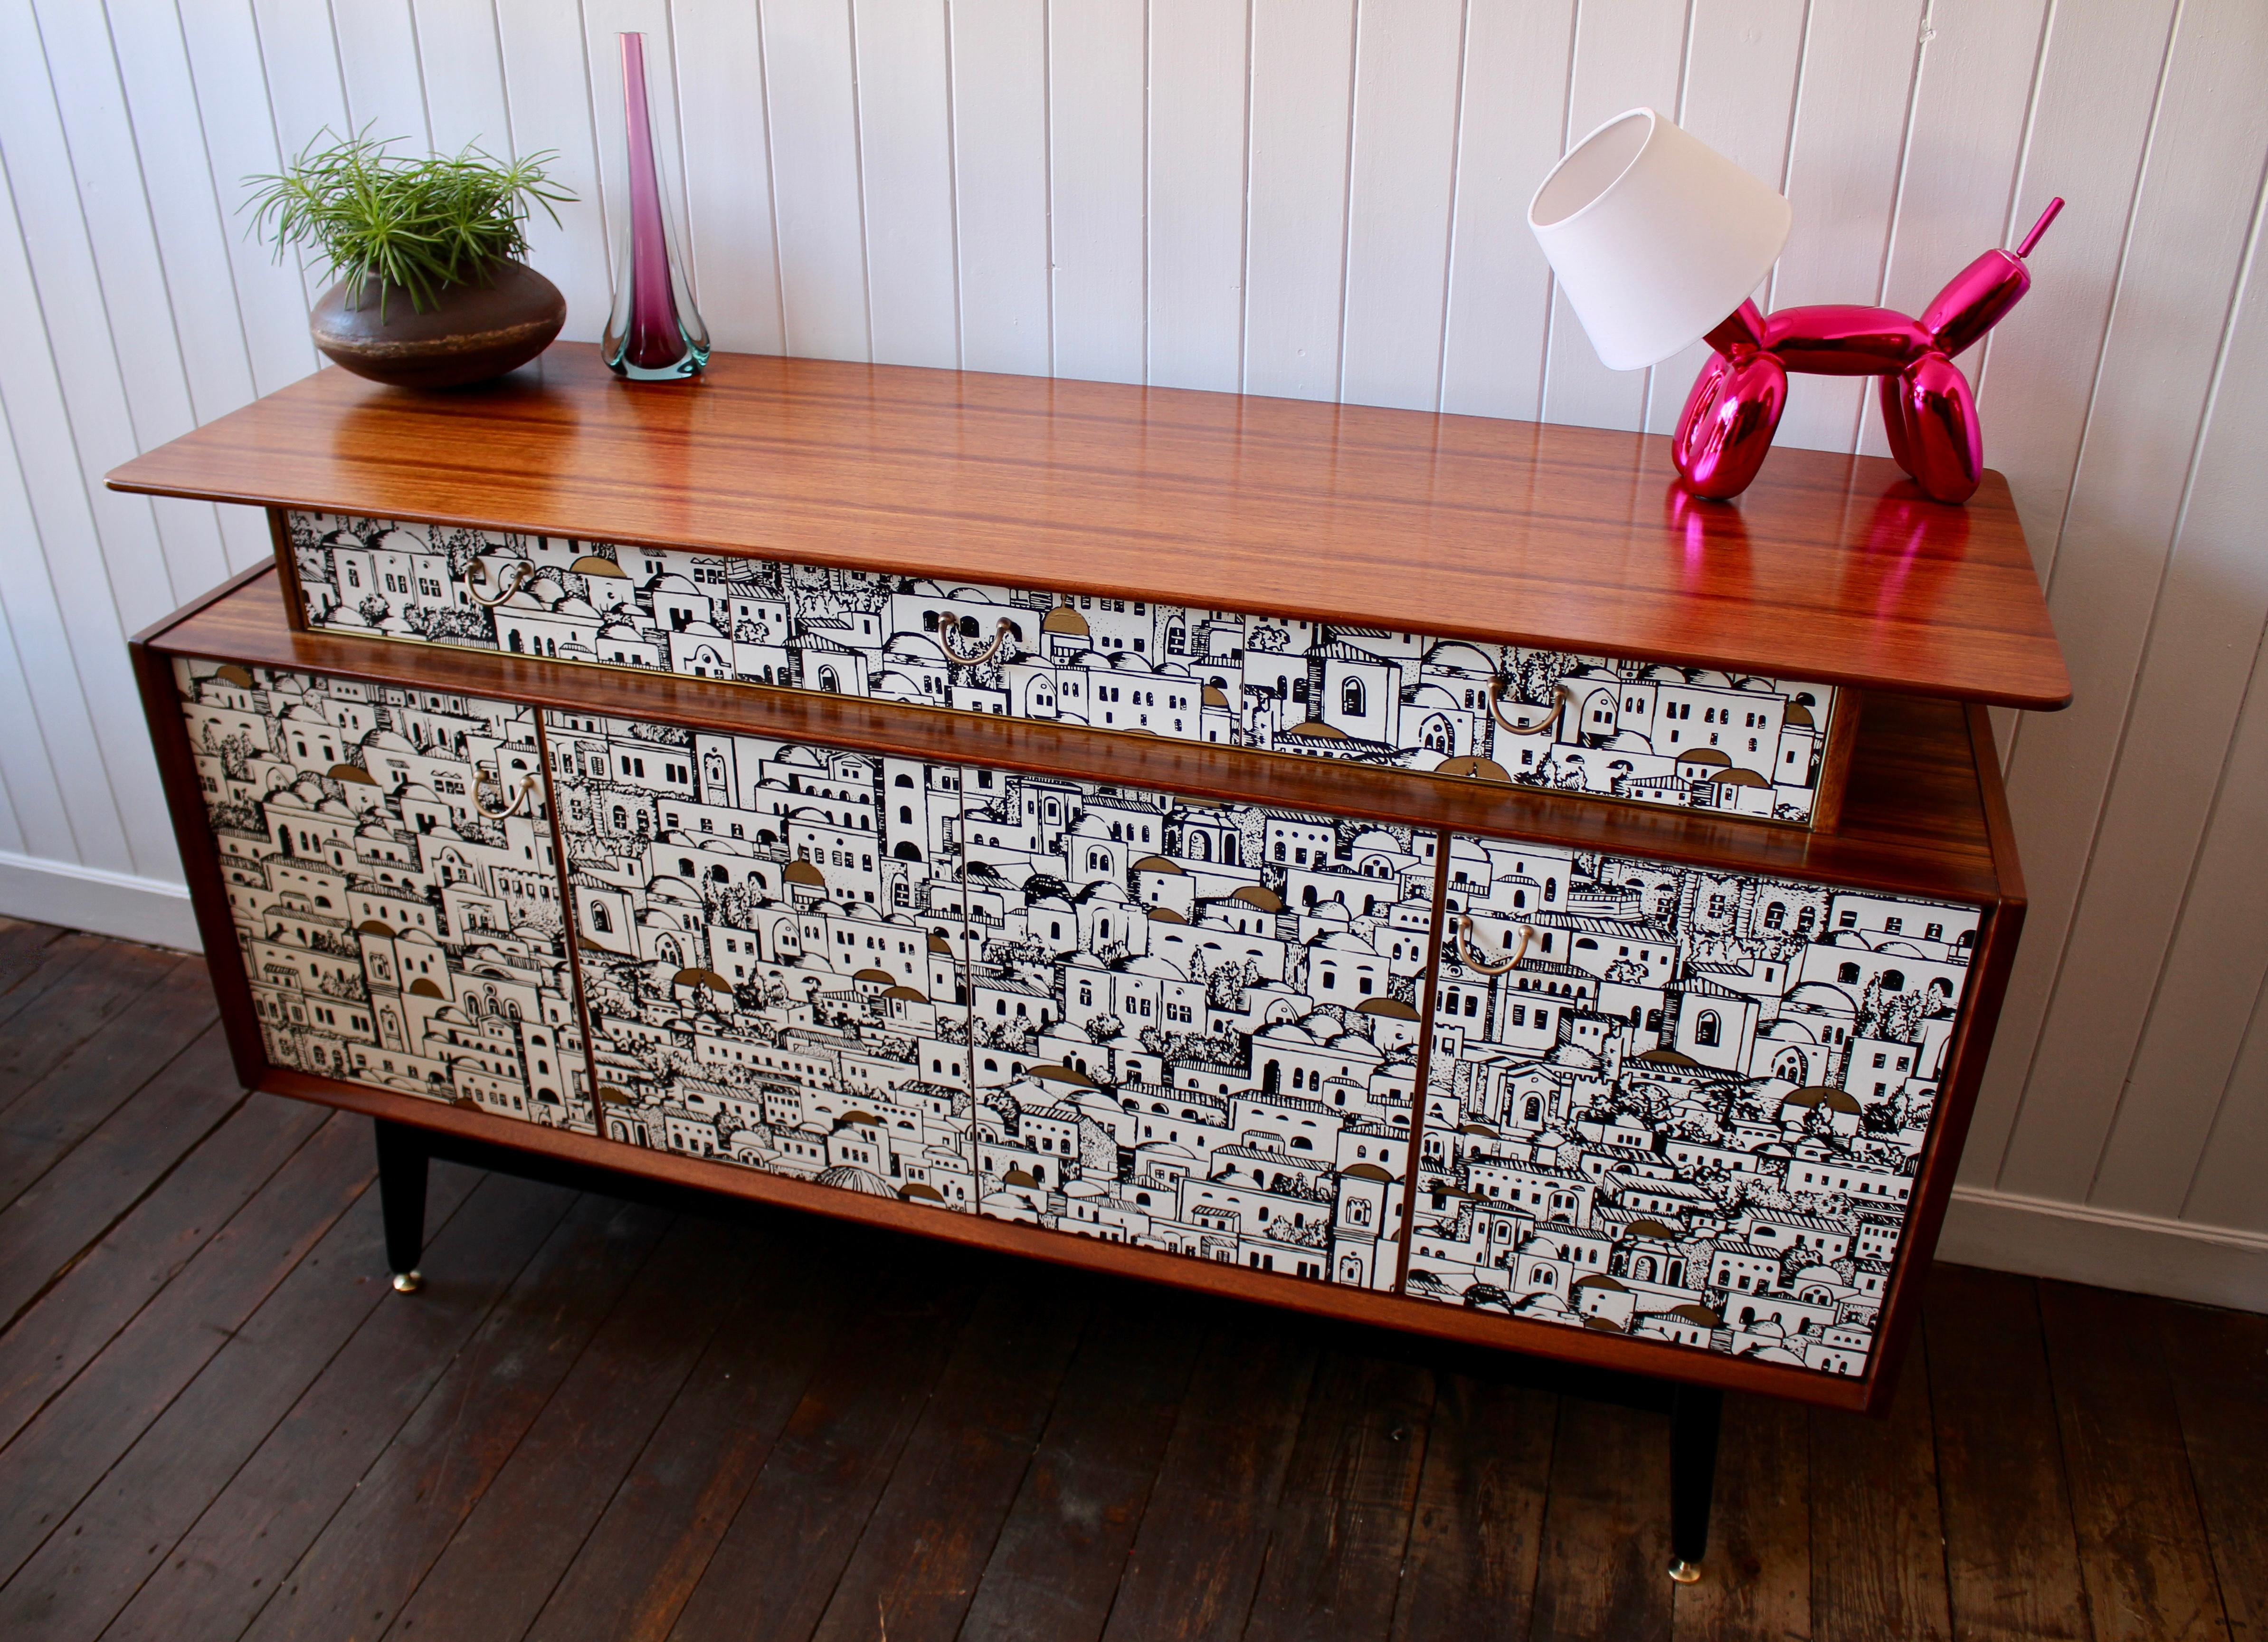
1460	526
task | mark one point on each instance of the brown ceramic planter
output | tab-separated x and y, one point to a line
474	331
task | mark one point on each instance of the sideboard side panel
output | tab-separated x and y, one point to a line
160	686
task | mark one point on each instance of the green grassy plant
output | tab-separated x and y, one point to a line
423	225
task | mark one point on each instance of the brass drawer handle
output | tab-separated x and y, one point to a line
1562	699
1469	955
945	625
512	581
521	791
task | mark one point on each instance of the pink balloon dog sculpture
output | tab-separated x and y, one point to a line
1927	407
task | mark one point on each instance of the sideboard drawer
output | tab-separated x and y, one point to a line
1693	1111
1618	730
388	857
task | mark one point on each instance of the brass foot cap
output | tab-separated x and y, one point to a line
1685	1572
408	1282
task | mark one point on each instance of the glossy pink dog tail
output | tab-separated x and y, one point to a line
2040	227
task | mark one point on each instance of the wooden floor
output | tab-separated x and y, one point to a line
603	1419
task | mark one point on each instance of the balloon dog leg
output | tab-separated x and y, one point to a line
1730	417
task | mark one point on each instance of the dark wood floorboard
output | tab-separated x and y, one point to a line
602	1419
1877	1531
2011	1547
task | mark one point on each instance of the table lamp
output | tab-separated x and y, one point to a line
1657	239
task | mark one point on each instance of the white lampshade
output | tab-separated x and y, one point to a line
1656	236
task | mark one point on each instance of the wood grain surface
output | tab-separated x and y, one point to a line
1830	567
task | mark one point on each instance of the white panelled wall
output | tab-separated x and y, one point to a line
1322	198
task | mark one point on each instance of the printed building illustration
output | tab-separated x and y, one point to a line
1177	1026
389	864
1692	1111
771	943
1641	732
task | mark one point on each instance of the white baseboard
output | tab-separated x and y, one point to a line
87	898
2142	1253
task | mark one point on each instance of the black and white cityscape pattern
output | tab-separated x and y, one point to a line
389	867
1642	732
771	943
1106	1012
1691	1112
1683	1106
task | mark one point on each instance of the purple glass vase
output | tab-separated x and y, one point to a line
655	333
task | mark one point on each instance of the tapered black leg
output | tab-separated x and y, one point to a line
1693	1417
401	1194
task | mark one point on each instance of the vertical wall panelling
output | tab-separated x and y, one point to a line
728	173
1000	182
306	89
35	818
1741	67
190	214
461	63
2093	93
385	85
131	297
1317	197
61	725
2096	93
1199	78
1097	79
2211	1042
1513	116
1860	62
2168	331
905	147
238	129
813	99
1970	101
551	110
1400	187
1629	54
2176	748
67	411
1295	227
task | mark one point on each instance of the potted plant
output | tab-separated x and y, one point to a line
431	289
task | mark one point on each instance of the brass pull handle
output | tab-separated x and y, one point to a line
521	791
1469	955
1562	699
512	581
945	624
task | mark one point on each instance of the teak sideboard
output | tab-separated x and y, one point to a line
1419	870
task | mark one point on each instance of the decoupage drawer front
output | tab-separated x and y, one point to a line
770	942
389	867
1692	1111
1631	731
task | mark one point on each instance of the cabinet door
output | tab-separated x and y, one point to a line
388	859
1195	1025
770	942
1692	1111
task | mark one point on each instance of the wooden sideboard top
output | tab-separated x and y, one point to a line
1829	568
1922	810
